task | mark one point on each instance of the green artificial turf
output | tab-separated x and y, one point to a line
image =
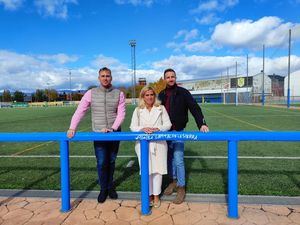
256	176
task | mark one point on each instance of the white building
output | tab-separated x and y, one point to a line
225	89
294	84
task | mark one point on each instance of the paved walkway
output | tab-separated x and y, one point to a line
46	211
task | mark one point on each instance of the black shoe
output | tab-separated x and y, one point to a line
112	193
102	196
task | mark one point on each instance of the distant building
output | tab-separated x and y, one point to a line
142	81
294	84
28	98
248	89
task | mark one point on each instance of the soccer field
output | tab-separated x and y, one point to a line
267	168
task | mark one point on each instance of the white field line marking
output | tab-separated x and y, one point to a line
241	121
133	156
37	146
259	115
279	109
130	164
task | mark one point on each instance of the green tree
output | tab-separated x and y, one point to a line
51	94
40	95
159	85
19	96
126	91
77	96
6	96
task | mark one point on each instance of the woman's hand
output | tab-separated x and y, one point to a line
150	130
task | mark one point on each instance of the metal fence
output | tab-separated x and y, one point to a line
231	137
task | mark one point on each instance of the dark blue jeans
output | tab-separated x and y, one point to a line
106	154
176	168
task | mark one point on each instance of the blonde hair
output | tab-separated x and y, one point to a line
142	94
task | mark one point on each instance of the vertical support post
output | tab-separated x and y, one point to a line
289	72
236	87
232	179
64	176
145	177
263	79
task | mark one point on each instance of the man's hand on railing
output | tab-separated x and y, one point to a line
204	129
106	130
70	133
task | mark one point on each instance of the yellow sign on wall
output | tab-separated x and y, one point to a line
241	82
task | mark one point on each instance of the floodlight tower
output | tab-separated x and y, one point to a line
132	43
70	83
263	78
289	72
236	87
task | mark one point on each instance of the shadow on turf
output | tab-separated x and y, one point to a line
127	173
30	185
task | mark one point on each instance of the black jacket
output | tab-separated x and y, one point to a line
181	101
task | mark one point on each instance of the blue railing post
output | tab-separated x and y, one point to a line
233	179
145	177
64	176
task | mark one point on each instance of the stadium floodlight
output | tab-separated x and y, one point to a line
132	43
289	72
236	86
263	79
70	83
48	94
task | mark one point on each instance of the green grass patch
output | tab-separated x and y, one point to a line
256	176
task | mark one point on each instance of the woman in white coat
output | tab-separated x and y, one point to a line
151	117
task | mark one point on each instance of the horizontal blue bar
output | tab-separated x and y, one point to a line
131	136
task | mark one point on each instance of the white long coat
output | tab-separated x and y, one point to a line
157	117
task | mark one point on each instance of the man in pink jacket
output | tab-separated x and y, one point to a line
108	112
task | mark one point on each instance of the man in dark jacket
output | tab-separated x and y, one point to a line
178	101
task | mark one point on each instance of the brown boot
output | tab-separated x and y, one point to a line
180	195
171	188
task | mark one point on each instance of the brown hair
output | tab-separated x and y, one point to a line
169	70
104	69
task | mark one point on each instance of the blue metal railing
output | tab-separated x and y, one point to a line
231	137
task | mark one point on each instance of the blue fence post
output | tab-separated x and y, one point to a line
145	177
233	179
64	176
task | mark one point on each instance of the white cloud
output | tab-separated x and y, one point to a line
239	35
187	35
54	8
214	5
206	67
150	50
210	18
207	6
59	58
113	63
11	4
28	72
270	31
175	46
200	46
135	2
197	46
122	73
146	3
186	44
209	10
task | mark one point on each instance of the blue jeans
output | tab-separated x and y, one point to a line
106	154
176	168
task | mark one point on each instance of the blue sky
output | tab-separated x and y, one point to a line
40	40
